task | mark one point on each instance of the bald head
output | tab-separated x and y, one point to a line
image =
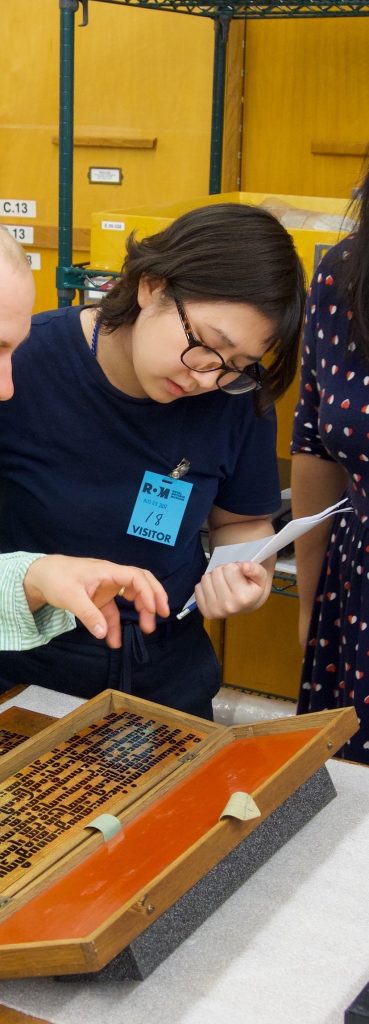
17	296
10	252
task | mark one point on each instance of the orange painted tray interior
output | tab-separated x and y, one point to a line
102	767
78	903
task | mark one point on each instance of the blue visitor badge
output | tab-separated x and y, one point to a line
159	508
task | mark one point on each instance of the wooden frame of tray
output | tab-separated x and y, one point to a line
170	829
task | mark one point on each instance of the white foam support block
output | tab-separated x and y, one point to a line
231	706
47	702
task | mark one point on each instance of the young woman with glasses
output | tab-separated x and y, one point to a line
137	421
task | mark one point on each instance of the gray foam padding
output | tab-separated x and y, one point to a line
162	937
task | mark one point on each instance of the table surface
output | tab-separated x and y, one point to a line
8	1016
290	947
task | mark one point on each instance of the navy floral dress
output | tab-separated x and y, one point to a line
332	422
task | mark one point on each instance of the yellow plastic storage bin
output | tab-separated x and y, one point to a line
312	221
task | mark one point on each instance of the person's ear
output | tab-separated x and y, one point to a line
149	290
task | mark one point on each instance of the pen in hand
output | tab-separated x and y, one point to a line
186	611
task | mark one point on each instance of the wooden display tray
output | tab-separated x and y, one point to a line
70	899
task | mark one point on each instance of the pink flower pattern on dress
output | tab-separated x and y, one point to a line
331	423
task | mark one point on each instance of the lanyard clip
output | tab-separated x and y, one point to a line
181	469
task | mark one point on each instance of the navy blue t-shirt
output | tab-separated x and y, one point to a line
73	451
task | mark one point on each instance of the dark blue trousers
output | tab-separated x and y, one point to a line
175	666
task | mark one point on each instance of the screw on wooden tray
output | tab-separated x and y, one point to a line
147	907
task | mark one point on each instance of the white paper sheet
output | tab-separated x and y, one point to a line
261	549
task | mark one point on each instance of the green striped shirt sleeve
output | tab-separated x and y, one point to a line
21	629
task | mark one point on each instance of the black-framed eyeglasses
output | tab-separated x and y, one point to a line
199	357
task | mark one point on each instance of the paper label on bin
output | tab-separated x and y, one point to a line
24	235
34	259
18	208
113	225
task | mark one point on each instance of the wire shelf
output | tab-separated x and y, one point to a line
252	9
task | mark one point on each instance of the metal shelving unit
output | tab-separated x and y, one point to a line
249	8
70	278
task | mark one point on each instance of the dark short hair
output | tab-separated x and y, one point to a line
226	252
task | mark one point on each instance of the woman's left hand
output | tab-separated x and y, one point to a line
236	587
